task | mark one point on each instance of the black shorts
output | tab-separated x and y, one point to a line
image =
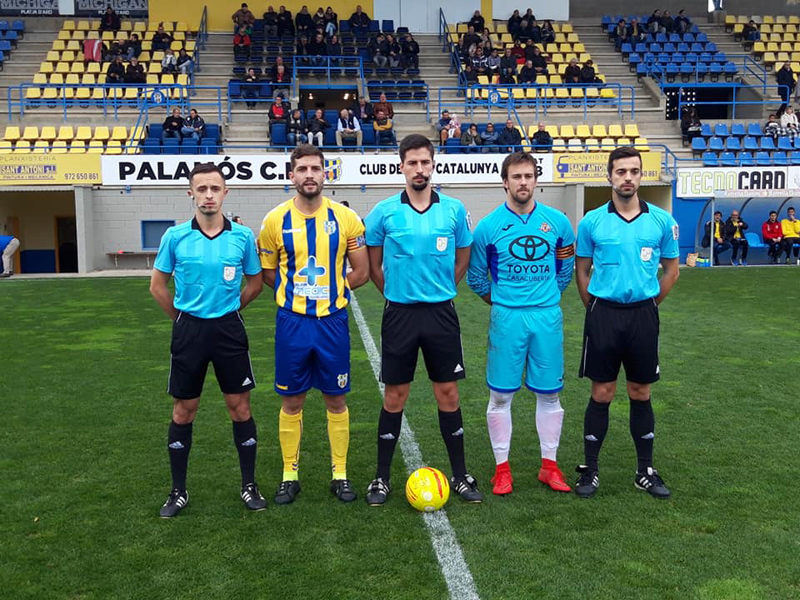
620	334
433	327
196	342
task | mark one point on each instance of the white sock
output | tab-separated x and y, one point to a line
549	418
498	418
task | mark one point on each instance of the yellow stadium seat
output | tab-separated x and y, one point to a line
623	141
77	67
182	79
12	133
33	93
68	93
641	144
58	147
573	38
22	147
777	28
40	79
575	145
102	132
126	25
592	145
88	79
607	144
567	131
78	35
565	48
53	56
592	94
30	133
47	133
119	132
144	58
566	28
83	26
116	92
74	45
49	94
93	35
138	133
794	20
576	94
631	130
179	36
101	79
559	145
560	38
190	46
131	93
64	35
57	79
499	28
167	79
132	147
530	93
768	19
578	48
599	131
608	93
98	94
552	48
46	67
730	20
108	36
615	131
77	147
72	79
552	130
95	147
583	131
556	80
69	25
541	80
68	56
41	147
65	132
781	19
62	67
83	94
158	56
139	27
114	147
5	147
84	133
768	58
59	45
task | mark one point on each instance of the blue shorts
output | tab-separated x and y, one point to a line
530	339
312	352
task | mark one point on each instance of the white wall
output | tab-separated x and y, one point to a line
557	10
424	17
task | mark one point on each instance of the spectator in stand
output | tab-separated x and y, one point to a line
720	245
363	110
514	22
539	62
470	74
301	53
488	41
773	128
251	87
750	32
173	125
316	128
169	64
384	129
508	67
536	32
270	18
772	232
572	74
359	22
509	139
110	21
161	39
525	32
273	71
115	74
132	48
477	21
791	234
285	23
335	50
548	33
789	122
682	23
135	74
667	22
636	33
489	139
471	140
242	44
530	49
734	235
621	34
296	128
281	82
479	63
318	18
654	23
542	141
410	52
527	74
384	105
243	18
303	23
112	52
448	126
690	124
348	128
529	16
588	74
318	50
518	52
493	64
785	79
185	62
378	51
194	126
278	113
469	42
331	22
394	50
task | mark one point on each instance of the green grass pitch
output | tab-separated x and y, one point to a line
84	467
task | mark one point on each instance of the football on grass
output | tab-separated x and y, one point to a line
427	489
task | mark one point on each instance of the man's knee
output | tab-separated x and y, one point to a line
446	395
238	406
499	401
184	410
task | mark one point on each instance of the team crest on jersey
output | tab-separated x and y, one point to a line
646	254
329	227
441	244
675	232
545	227
333	170
342	380
229	273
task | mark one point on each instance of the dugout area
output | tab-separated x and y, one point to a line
43	220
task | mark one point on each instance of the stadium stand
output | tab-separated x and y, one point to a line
745	144
10	34
64	139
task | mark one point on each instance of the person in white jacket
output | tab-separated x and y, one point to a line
789	122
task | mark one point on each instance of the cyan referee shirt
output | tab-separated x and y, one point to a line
626	254
419	248
208	270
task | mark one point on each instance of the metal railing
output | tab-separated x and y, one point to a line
733	103
450	45
329	68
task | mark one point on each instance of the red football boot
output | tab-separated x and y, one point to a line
502	480
552	476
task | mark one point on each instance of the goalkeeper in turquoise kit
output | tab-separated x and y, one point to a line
522	260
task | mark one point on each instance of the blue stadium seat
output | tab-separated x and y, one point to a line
452	146
714	71
670	48
688	37
785	143
697	48
780	159
698	146
711	47
737	129
753	240
656	47
727	159
767	144
151	145
746	159
661	38
674	38
710	159
190	146
705	130
763	159
641	48
701	37
671	71
626	49
387	25
278	134
751	143
691	58
683	47
721	130
212	131
754	129
209	146
374	26
733	144
794	157
155	130
171	146
715	144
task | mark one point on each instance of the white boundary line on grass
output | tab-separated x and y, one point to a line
456	573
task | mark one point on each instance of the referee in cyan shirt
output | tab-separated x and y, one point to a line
625	240
208	255
419	243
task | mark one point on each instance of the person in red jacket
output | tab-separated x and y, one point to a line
772	233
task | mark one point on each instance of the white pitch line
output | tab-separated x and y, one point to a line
456	573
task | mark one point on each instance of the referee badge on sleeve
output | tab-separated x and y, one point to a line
229	273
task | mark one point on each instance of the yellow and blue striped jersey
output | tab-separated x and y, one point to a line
308	253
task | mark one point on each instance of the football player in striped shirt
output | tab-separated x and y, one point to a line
303	245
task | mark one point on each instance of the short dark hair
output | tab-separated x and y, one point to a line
303	150
717	212
790	208
623	152
414	141
208	167
517	158
773	212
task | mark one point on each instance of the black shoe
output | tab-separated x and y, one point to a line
466	487
287	490
650	481
176	500
342	490
252	498
587	483
6	274
378	491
